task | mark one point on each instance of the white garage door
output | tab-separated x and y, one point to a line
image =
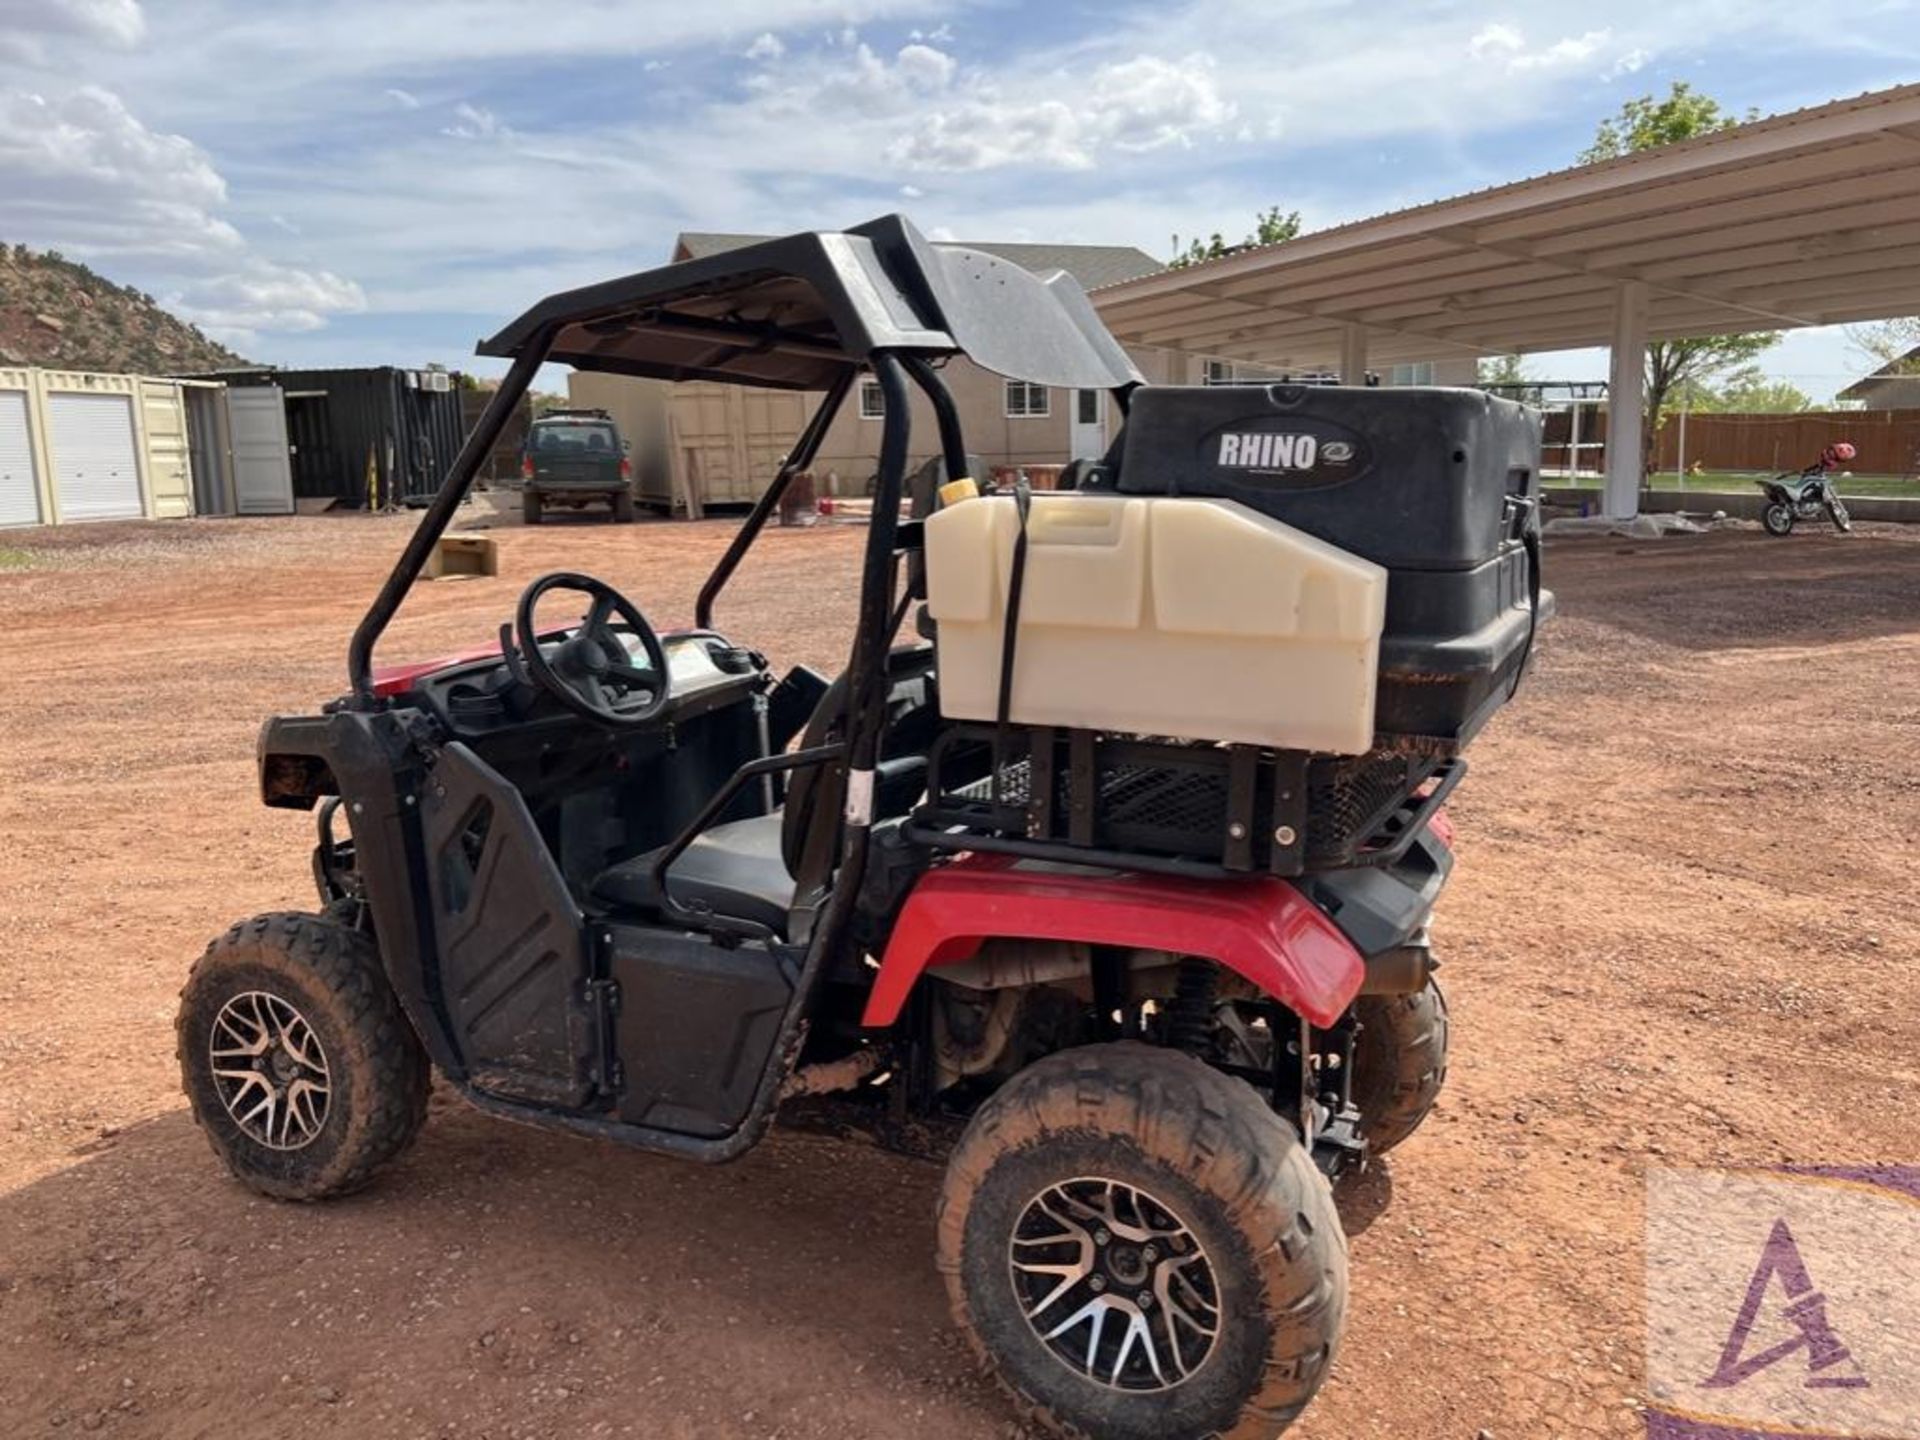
95	475
19	494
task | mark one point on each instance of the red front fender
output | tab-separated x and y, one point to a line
1257	926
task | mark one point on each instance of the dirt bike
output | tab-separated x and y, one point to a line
1802	495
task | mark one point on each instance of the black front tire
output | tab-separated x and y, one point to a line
1837	512
1399	1063
1208	1149
377	1076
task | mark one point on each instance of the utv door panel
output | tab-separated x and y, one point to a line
508	936
697	1023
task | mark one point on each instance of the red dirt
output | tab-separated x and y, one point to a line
1681	932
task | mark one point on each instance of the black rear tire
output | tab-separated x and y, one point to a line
1215	1159
623	508
1399	1063
329	978
1778	519
529	507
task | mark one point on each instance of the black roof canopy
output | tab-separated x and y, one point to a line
798	312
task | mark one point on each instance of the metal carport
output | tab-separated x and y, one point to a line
1809	218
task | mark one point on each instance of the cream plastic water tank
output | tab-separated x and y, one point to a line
1195	618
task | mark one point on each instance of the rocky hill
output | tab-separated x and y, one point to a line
58	313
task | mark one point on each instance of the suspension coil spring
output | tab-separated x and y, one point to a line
1190	1016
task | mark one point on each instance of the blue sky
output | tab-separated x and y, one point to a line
361	182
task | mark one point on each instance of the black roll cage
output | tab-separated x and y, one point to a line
1072	350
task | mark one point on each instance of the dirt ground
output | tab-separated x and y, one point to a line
1682	931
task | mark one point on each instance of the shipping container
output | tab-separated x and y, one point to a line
79	445
370	438
697	445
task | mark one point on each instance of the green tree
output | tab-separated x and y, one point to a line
1504	371
1890	345
1647	123
1747	390
1690	370
1750	391
1271	227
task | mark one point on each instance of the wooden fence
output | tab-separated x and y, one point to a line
1888	441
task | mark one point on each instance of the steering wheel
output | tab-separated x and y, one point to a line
591	672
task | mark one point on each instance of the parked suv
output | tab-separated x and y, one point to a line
575	458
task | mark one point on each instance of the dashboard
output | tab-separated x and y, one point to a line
485	696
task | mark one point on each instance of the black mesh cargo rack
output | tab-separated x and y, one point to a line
1090	798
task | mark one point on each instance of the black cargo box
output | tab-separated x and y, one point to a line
1437	485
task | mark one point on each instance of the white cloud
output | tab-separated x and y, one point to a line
1496	40
1146	103
82	174
847	86
1572	50
1045	134
1631	62
868	80
766	46
27	25
86	142
1508	44
471	122
405	99
924	67
264	296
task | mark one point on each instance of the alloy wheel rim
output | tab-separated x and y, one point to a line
1115	1284
270	1070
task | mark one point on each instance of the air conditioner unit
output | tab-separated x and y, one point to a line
438	381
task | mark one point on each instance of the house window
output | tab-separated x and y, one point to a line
1088	407
873	405
1028	401
1218	372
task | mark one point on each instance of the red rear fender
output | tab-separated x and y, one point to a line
1257	926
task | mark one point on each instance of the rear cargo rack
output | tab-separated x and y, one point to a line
1090	798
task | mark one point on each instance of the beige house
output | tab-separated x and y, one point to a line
720	444
1894	386
724	444
1007	422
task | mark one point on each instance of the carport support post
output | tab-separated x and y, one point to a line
1353	354
1626	401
